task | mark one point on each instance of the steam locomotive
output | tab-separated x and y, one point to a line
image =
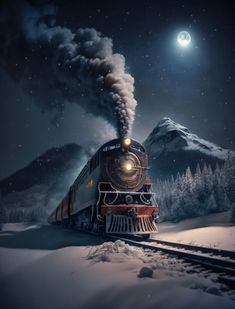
112	194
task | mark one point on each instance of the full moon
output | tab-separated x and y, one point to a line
184	38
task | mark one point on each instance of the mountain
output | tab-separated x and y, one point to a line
36	189
172	148
32	192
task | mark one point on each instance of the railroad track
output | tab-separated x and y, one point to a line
220	261
214	251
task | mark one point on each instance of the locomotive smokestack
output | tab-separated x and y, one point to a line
57	66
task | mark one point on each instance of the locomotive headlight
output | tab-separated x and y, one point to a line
128	166
127	141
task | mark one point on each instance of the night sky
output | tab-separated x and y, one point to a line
194	85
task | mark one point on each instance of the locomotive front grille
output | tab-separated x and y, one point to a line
119	224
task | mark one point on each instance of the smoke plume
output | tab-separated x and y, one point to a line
57	66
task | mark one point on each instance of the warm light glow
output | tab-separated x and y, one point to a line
128	166
127	141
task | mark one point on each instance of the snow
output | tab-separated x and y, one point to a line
182	139
52	267
18	227
214	230
205	236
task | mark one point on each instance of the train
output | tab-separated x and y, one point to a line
112	194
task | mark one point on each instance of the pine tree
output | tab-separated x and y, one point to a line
194	195
211	204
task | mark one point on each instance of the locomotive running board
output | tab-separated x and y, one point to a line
128	225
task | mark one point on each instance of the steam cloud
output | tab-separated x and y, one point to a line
57	66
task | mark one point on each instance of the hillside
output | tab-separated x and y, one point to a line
172	148
37	188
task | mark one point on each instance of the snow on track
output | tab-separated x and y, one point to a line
48	267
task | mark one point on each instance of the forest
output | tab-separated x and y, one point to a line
190	195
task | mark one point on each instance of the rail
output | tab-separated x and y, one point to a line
225	268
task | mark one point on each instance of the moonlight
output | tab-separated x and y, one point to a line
184	38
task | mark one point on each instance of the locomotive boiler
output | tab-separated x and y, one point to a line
112	194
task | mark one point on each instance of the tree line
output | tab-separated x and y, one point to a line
190	195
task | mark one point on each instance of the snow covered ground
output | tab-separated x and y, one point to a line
50	267
214	230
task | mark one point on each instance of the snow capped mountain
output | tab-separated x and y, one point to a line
172	147
35	190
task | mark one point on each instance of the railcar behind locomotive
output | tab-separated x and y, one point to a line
112	193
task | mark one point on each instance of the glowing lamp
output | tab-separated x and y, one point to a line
127	141
128	166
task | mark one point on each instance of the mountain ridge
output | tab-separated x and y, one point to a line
172	148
